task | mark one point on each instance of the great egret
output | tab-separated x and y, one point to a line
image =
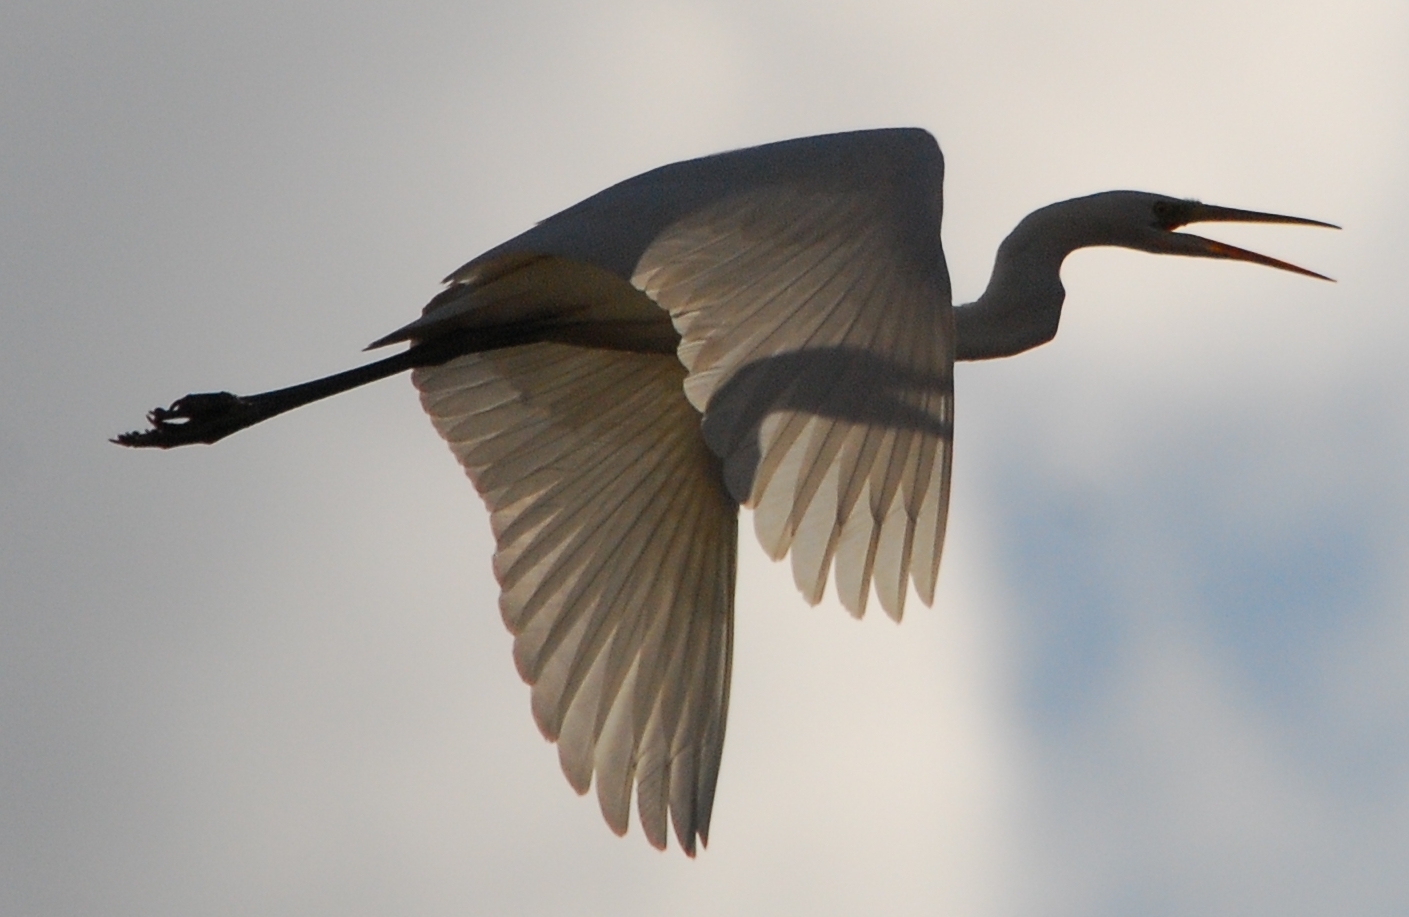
769	327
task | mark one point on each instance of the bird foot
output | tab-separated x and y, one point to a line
201	418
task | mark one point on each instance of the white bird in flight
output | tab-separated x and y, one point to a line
770	327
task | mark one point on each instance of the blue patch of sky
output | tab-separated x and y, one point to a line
1067	605
1278	599
1274	580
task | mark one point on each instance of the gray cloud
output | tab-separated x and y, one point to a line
1164	675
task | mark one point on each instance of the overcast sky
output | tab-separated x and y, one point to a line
1168	668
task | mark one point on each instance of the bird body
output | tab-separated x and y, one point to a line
770	327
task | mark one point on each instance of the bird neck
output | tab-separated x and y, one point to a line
1022	305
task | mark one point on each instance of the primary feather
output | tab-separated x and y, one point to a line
768	327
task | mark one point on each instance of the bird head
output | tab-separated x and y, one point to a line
1148	222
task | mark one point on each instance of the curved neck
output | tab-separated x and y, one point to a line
1022	305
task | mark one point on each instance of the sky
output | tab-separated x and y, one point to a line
1167	671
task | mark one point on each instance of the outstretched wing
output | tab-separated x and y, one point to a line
808	284
616	548
816	326
805	296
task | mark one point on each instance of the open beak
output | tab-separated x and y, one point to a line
1198	246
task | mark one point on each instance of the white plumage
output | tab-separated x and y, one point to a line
810	302
771	328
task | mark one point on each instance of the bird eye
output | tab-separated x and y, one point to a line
1170	214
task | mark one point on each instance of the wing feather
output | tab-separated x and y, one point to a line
811	380
816	326
615	554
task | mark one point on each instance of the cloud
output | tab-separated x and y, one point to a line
1165	671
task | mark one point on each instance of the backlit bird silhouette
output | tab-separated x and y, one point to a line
770	327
